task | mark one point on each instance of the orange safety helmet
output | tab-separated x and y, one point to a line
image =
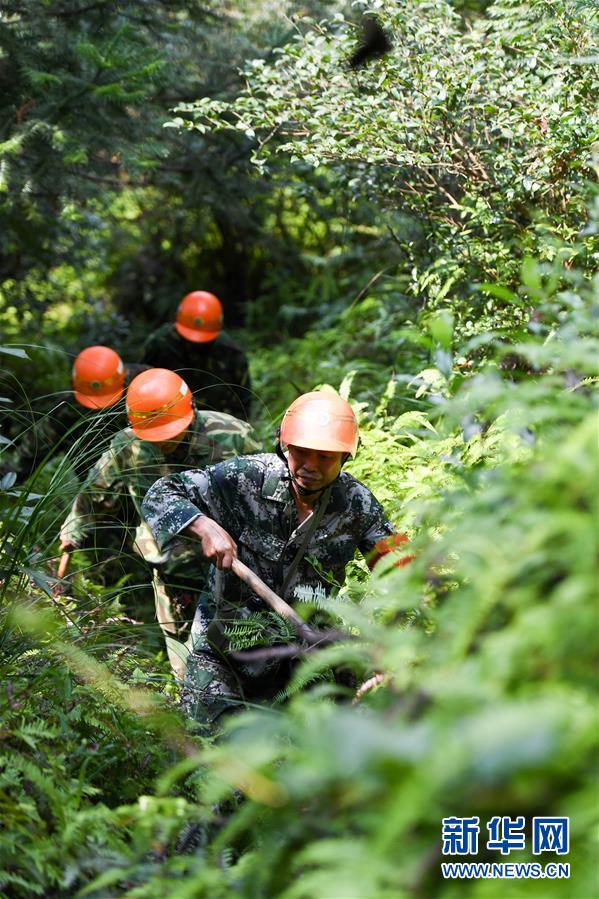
159	405
199	317
320	420
98	377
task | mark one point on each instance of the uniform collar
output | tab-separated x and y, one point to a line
277	481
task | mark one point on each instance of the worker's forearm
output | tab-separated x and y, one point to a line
217	544
172	504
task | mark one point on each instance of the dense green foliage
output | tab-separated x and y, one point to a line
420	233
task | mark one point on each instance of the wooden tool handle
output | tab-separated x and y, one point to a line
63	565
275	602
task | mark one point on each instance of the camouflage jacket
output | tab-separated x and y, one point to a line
216	372
130	466
251	498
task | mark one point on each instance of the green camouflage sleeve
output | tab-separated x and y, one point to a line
101	491
173	502
378	527
233	436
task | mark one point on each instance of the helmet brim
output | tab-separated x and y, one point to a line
165	430
194	335
98	401
327	446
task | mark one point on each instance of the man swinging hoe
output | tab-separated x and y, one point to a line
295	518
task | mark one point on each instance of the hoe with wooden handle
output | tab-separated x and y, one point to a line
283	608
313	638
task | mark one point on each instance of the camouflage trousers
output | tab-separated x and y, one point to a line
215	682
210	686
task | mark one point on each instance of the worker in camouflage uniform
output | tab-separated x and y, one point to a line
294	518
99	379
197	348
166	434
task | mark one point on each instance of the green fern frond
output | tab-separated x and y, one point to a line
29	886
260	629
300	682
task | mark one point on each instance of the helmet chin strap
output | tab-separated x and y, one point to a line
304	491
